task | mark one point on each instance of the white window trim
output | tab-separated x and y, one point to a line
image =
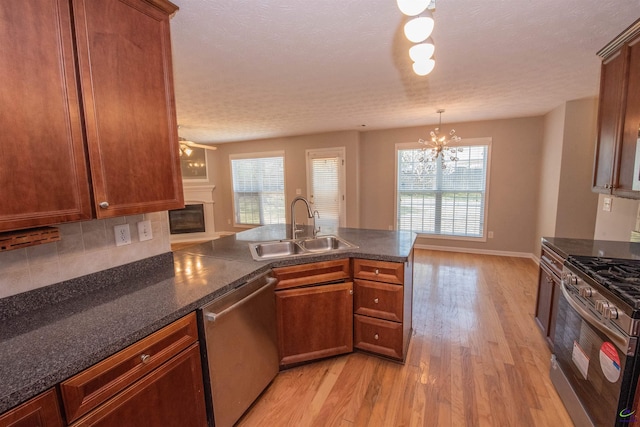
258	155
465	142
331	152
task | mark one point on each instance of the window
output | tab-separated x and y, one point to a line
258	188
325	186
444	202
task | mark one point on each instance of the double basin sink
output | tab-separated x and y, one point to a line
298	247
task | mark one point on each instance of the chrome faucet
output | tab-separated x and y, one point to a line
294	230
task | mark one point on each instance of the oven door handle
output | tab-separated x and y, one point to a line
618	339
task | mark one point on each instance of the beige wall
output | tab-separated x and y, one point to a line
295	171
619	222
514	180
577	204
566	204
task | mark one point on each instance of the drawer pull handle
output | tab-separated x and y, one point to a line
377	272
144	358
375	337
375	300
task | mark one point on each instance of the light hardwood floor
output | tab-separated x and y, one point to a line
476	358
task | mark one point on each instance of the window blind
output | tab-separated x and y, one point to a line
258	190
449	202
325	187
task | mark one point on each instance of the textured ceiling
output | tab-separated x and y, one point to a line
259	69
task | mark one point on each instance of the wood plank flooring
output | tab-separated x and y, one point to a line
476	358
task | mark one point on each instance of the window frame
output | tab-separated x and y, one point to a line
255	155
487	141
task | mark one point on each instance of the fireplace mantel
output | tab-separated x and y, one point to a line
199	194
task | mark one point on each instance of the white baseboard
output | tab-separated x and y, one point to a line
479	251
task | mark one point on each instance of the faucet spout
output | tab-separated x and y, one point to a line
294	230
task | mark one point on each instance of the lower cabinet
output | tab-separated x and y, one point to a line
548	292
383	306
314	310
156	382
41	411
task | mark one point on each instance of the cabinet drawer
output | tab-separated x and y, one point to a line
379	300
95	385
311	274
552	260
379	271
378	336
41	411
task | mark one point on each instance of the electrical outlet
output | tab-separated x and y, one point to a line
144	230
606	204
122	234
490	234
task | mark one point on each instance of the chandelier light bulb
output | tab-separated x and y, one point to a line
412	7
423	67
419	29
422	52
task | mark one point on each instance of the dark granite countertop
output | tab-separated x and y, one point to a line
599	248
48	335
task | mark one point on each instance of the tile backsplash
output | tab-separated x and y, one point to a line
84	248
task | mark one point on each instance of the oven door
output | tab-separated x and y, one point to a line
592	367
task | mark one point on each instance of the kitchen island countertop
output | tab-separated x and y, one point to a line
598	248
43	343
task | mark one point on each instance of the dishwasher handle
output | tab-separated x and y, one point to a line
211	316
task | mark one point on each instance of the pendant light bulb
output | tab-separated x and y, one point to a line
422	51
412	7
424	67
419	29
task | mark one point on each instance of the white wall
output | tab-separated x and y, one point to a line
619	222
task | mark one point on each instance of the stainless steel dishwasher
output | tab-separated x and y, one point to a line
241	348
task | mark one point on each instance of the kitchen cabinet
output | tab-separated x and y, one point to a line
154	382
383	306
548	292
314	311
41	411
90	129
616	168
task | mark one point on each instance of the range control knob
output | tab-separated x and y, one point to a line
611	313
586	292
602	305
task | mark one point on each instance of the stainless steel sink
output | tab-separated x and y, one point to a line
299	247
325	243
277	249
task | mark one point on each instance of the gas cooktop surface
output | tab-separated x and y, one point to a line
620	276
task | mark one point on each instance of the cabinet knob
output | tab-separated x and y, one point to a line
375	337
376	272
144	358
375	300
350	291
104	205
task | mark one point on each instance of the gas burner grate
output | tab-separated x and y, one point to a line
620	276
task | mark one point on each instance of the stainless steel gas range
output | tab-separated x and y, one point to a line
595	364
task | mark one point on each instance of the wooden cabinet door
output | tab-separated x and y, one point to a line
314	322
43	170
609	123
543	302
41	411
124	57
170	396
631	129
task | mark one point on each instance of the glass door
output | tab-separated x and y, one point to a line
325	187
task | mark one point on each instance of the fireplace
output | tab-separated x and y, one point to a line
190	219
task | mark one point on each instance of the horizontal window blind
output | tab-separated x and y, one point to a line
326	191
448	202
258	190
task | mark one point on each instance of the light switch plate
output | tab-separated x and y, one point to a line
144	230
122	234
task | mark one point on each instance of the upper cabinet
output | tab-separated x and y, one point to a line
616	169
89	124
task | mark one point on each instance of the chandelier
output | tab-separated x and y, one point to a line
438	145
417	30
